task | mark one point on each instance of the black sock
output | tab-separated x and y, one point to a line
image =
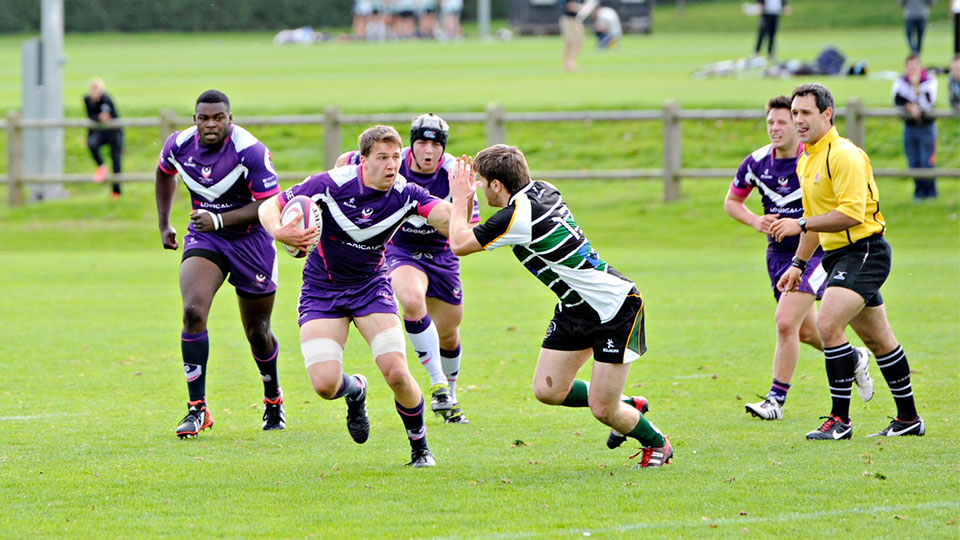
896	371
349	386
841	362
413	421
195	349
268	372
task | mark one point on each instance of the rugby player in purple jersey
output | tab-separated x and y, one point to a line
345	278
772	170
229	175
424	273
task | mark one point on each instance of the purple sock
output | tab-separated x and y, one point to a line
415	327
778	391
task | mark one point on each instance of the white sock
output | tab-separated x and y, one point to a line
451	368
427	344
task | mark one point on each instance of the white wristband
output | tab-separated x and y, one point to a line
217	218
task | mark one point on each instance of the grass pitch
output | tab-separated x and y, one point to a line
94	389
91	310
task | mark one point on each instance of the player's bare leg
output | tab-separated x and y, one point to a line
410	287
200	279
796	322
555	376
382	331
321	343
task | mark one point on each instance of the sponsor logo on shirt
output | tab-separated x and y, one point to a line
206	172
363	247
366	213
190	162
351	202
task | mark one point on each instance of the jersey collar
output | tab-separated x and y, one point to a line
828	137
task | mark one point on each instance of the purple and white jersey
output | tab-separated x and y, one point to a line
779	187
221	178
415	234
357	223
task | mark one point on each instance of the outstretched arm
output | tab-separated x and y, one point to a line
439	217
463	188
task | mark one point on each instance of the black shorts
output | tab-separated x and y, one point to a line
861	267
620	340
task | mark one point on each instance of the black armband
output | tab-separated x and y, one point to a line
797	262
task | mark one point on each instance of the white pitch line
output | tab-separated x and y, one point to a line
743	520
33	416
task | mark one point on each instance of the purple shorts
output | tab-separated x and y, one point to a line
442	270
814	277
327	302
250	260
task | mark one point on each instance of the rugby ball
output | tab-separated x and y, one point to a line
305	213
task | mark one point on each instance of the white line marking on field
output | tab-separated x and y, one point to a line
791	516
33	416
695	376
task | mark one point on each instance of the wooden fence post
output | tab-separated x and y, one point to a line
496	124
168	124
856	131
15	159
332	135
672	151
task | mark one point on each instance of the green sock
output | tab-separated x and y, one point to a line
647	434
578	395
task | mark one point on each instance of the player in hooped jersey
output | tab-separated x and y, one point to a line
229	174
600	311
424	273
344	278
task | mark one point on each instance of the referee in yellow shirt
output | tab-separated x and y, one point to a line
841	212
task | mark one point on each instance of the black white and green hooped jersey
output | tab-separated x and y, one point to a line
550	244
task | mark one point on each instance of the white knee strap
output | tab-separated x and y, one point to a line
388	341
320	350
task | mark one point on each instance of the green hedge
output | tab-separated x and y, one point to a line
193	15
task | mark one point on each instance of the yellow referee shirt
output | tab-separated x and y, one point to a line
835	174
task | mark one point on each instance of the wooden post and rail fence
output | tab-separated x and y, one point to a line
495	118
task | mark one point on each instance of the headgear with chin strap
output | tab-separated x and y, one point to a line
429	127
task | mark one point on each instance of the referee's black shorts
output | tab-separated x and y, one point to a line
862	267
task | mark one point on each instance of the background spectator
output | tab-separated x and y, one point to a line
100	108
955	10
770	11
915	93
451	10
915	15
